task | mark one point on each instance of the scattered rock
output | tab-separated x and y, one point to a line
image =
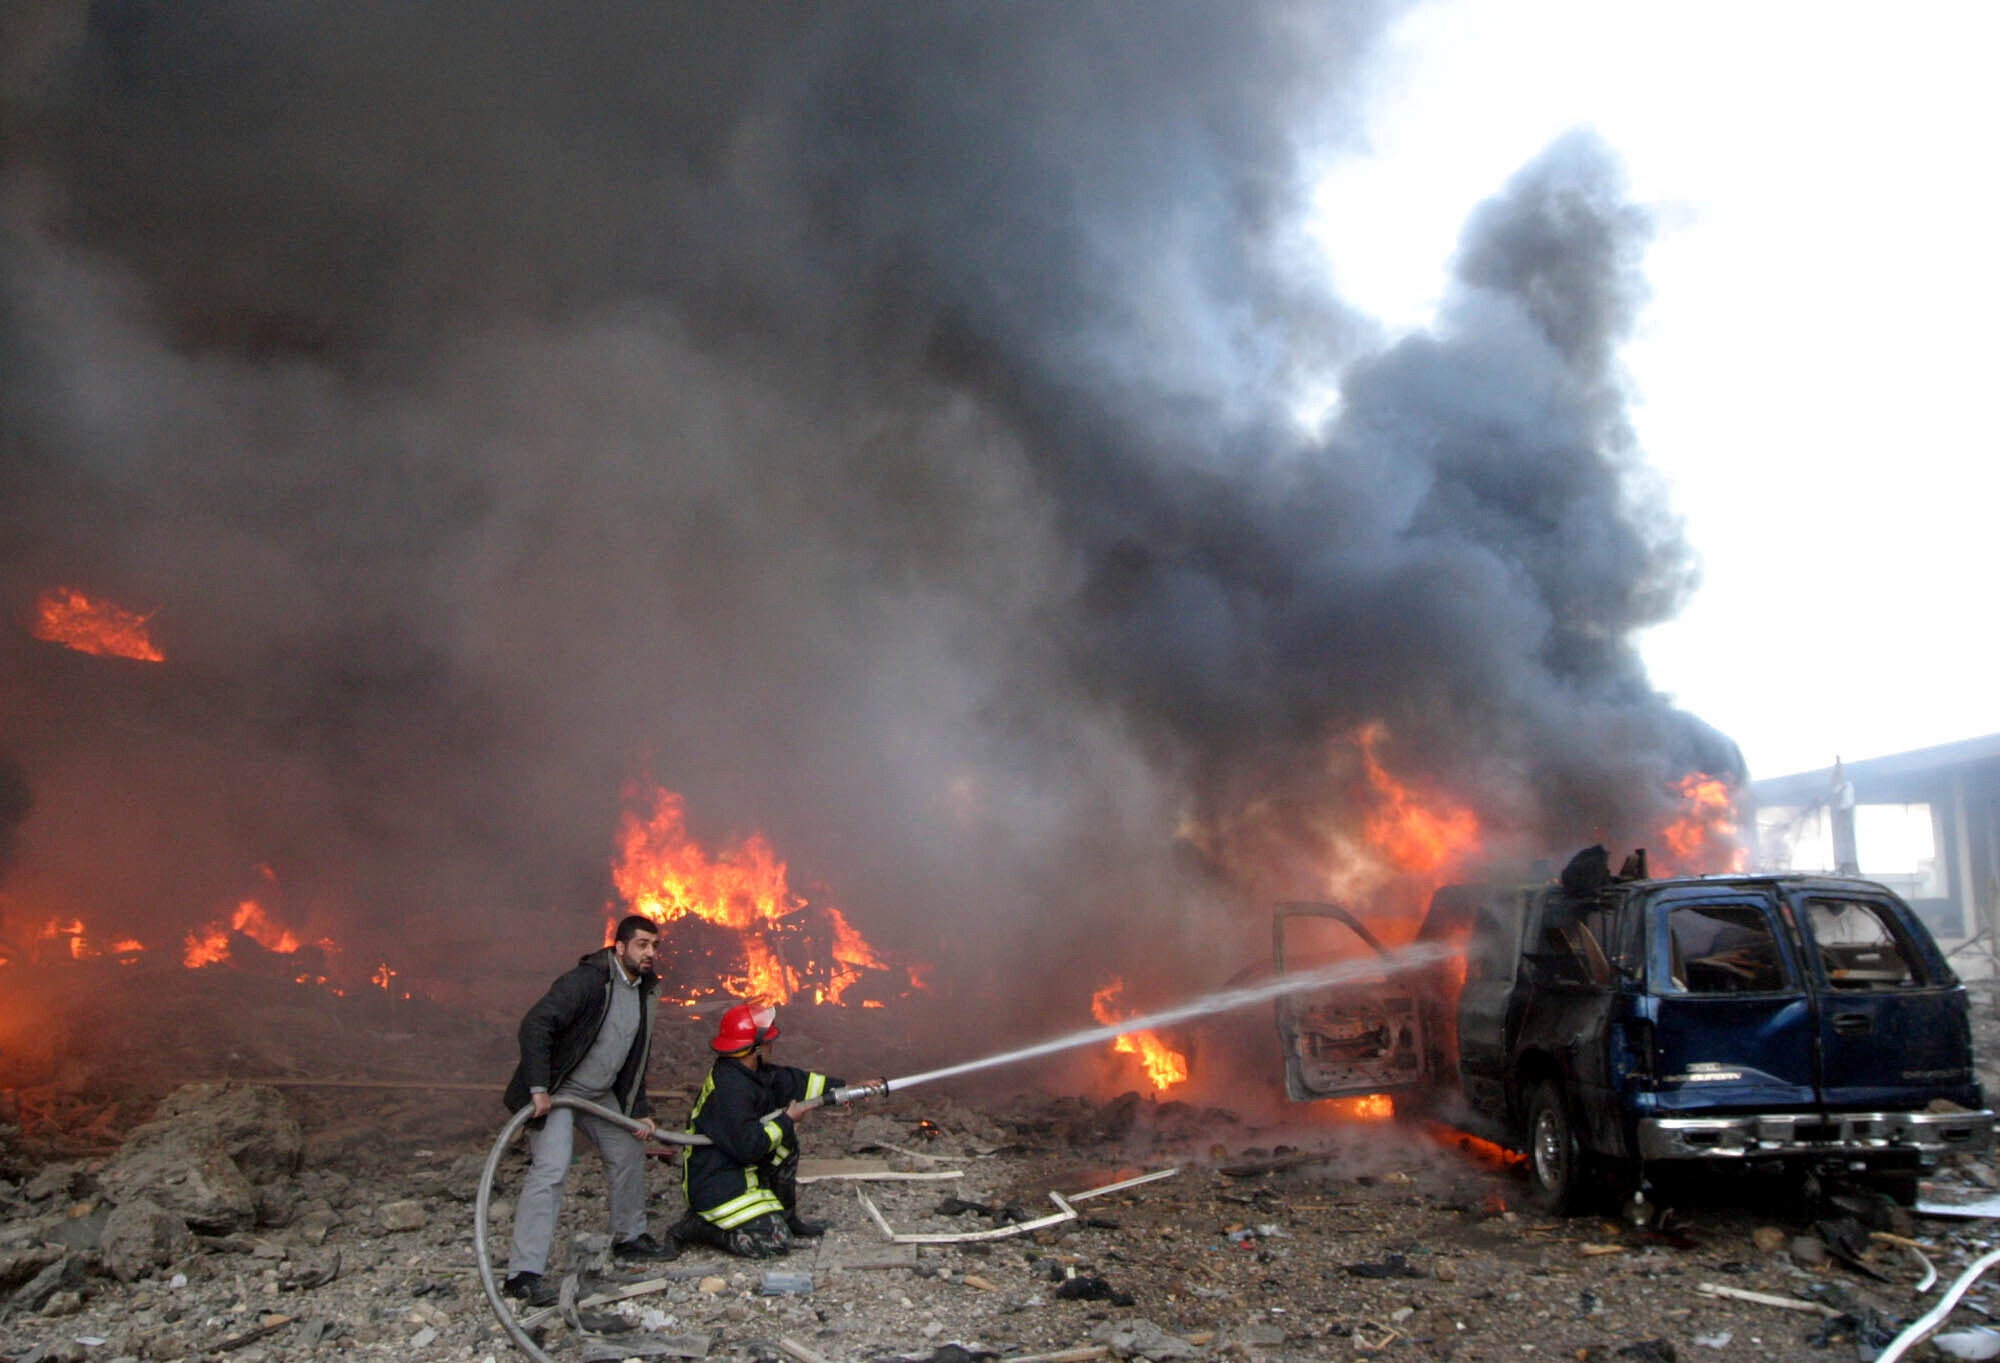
254	1123
1140	1338
187	1171
140	1236
1357	1242
402	1216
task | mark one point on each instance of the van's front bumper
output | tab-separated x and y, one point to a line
1814	1133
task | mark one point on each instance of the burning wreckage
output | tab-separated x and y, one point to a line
1622	1029
438	652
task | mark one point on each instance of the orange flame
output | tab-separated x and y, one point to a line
1414	836
1704	836
250	920
663	873
68	617
851	954
78	945
1164	1065
666	875
210	945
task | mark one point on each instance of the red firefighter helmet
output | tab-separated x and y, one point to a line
744	1026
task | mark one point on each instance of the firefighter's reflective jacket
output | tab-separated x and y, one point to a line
741	1111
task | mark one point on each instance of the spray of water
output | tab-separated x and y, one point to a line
1412	957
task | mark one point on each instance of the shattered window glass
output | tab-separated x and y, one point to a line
1858	948
1723	949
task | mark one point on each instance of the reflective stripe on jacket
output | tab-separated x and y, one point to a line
741	1111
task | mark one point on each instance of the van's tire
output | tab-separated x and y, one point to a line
1559	1176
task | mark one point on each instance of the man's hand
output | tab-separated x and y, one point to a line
540	1102
799	1108
646	1129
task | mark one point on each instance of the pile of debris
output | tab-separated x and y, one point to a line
240	1224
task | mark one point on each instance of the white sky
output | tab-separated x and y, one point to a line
1809	370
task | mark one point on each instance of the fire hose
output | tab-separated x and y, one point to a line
483	1205
1339	972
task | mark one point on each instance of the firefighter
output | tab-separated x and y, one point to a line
742	1188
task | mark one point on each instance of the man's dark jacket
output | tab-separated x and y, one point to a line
557	1032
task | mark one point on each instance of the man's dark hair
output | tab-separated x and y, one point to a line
631	923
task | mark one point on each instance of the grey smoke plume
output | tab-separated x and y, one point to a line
878	423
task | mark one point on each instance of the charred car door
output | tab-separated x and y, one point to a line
1893	1026
1732	1009
1488	1001
1350	1039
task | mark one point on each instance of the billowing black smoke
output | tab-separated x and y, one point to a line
879	423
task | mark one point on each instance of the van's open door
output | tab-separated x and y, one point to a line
1360	1037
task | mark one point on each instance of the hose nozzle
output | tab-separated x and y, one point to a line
873	1088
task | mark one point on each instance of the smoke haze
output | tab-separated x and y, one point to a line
881	424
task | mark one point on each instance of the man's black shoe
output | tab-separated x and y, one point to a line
644	1248
531	1288
804	1229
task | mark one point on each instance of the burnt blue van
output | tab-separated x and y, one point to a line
1803	1022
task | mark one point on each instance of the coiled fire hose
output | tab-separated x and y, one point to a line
1915	1332
483	1204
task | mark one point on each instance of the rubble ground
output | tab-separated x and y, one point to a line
248	1223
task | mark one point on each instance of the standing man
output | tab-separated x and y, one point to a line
742	1188
587	1038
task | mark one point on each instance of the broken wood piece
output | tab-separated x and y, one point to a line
1080	1355
1123	1184
691	1345
640	1289
960	1237
925	1155
872	1170
1764	1299
1925	1280
792	1348
270	1326
1064	1212
1592	1251
1373	1343
566	1303
1295	1160
983	1284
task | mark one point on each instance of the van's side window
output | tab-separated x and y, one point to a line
1489	947
1856	945
1723	949
1573	935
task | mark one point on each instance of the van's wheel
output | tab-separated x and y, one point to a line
1558	1172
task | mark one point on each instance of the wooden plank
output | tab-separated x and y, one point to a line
794	1349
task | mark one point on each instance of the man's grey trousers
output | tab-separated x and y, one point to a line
540	1202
